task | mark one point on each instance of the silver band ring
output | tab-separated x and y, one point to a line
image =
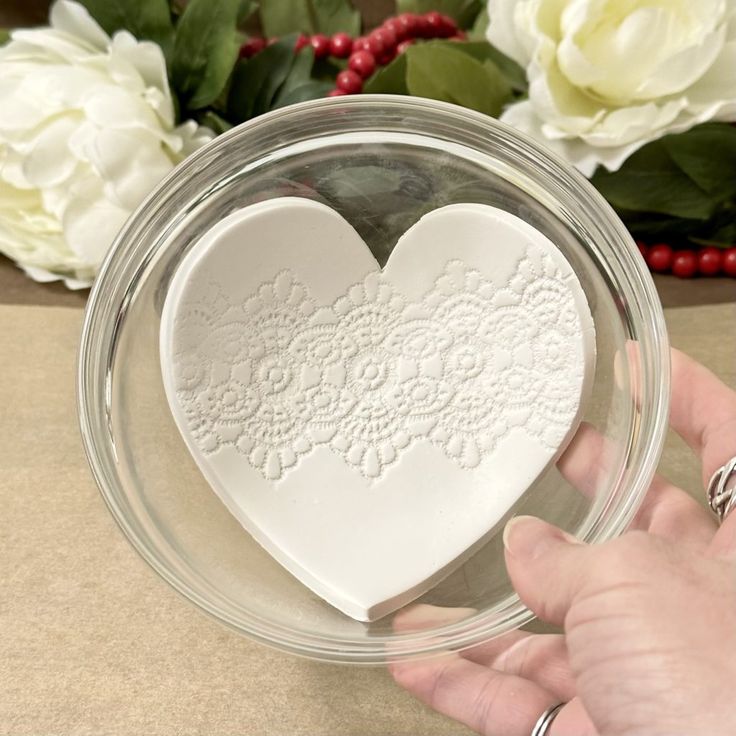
545	720
721	491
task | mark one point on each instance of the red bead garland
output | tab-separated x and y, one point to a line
686	263
366	53
321	45
349	82
301	43
251	47
393	37
404	45
409	22
363	63
729	262
341	44
710	261
659	258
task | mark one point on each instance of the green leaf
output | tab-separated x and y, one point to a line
442	72
707	154
279	72
329	68
257	80
655	227
4	36
719	230
335	16
464	12
246	9
214	122
300	72
145	19
650	181
279	17
725	237
483	51
478	30
312	90
205	50
390	80
299	85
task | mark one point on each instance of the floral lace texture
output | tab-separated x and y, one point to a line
371	375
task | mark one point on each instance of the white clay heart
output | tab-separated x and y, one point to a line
370	428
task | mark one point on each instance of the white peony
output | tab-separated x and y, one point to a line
86	132
608	76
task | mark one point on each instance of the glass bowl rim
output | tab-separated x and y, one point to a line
95	372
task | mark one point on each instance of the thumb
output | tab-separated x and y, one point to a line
545	565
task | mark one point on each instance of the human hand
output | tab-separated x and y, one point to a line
649	643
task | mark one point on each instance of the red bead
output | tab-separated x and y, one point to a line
449	27
398	28
301	42
386	36
660	258
363	63
349	82
368	43
375	43
386	57
434	18
459	36
404	45
709	261
643	249
251	47
341	45
336	92
409	22
424	28
441	26
729	262
321	45
685	264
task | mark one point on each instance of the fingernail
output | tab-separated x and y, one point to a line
529	537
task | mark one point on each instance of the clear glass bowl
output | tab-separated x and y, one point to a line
382	162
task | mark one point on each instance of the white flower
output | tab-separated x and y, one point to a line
86	132
608	76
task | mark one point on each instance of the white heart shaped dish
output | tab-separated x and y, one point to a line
371	427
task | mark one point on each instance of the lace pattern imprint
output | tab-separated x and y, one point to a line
371	375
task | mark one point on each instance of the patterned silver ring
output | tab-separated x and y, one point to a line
722	490
545	720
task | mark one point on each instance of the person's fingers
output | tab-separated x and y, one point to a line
667	511
541	658
703	412
545	565
490	702
724	543
421	616
573	720
586	462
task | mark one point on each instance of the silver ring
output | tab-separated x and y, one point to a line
721	495
545	720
